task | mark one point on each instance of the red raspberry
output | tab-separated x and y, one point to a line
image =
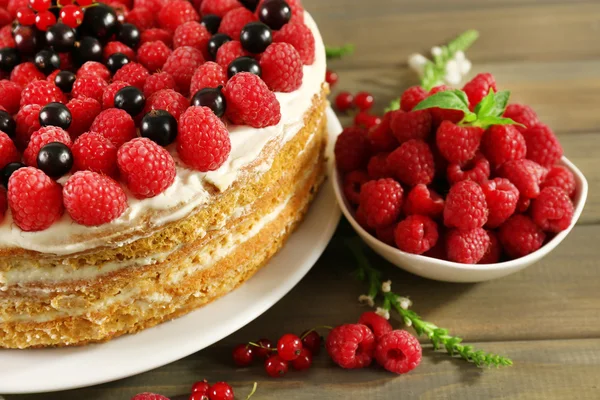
456	143
108	96
230	51
6	37
168	100
520	236
192	34
552	210
281	67
177	13
182	64
153	55
208	75
411	125
558	176
351	346
115	125
381	136
147	168
523	204
27	121
467	246
416	234
376	323
42	137
386	235
361	218
159	81
411	97
234	21
92	199
352	149
423	201
378	167
93	152
218	7
494	251
149	396
479	87
300	36
501	197
83	112
381	201
412	163
5	17
154	34
42	93
118	47
133	73
466	207
8	150
93	68
353	183
543	146
502	143
50	78
25	73
142	17
526	175
250	102
439	114
522	114
476	170
152	5
398	352
89	86
10	96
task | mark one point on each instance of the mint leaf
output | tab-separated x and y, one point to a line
486	122
449	99
500	103
486	105
338	52
394	105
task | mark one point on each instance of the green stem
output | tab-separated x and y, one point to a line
253	391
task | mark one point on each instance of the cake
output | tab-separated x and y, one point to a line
77	282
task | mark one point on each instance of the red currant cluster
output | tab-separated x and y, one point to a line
201	390
363	102
39	13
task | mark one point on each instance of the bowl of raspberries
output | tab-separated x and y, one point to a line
458	185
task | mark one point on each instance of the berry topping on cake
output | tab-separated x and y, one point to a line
89	86
208	75
94	152
42	137
182	64
169	100
235	20
83	112
229	52
8	150
250	102
300	36
218	7
281	67
133	73
115	125
108	96
55	159
159	81
42	93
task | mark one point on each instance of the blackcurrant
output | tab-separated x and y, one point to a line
159	126
99	21
256	37
275	13
244	64
130	99
129	34
60	37
25	39
211	22
212	98
116	61
55	159
55	114
216	42
87	49
64	80
9	58
7	124
249	4
47	61
8	170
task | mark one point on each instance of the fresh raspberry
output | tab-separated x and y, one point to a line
83	112
502	143
398	352
153	55
439	114
25	73
522	114
351	346
154	34
10	96
177	13
182	64
411	97
353	183
93	152
142	17
218	7
386	235
158	81
208	75
230	51
523	204
520	236
352	149
118	47
543	146
423	201
169	100
361	218
108	96
149	396
494	251
465	207
93	68
376	323
501	197
456	143
250	102
416	234
234	21
192	34
467	246
42	93
479	87
381	136
27	121
133	73
412	163
6	37
381	201
5	17
300	36
476	170
526	175
42	137
89	86
92	199
152	5
558	176
8	150
411	125
295	5
281	67
552	210
115	125
50	78
378	167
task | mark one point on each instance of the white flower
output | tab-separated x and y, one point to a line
436	51
386	286
417	63
405	303
382	312
364	299
407	322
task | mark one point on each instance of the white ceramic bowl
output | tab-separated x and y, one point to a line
448	271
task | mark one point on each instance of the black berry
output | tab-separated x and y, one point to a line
47	61
64	80
129	34
250	4
216	42
211	22
275	13
8	170
55	114
256	37
9	58
116	61
88	49
100	21
55	159
130	99
25	39
244	64
60	37
159	126
7	124
212	98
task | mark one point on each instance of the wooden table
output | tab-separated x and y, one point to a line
547	318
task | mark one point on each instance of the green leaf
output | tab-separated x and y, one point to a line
339	52
394	105
486	122
433	75
486	105
500	103
449	99
463	41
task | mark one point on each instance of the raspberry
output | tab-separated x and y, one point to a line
520	236
27	121
411	125
381	201
476	170
35	199
182	64
218	7
281	67
526	175
115	125
168	100
478	88
523	204
52	76
5	17
108	96
398	352
234	21
361	218
149	396
142	17
6	37
153	55
353	183
466	207
250	102
423	201
25	73
89	86
543	146
208	75
42	93
501	197
411	97
412	163
300	36
8	150
93	152
192	34
467	246
83	112
381	136
118	47
153	5
177	13
439	114
502	143
416	234
456	143
494	251
376	323
558	176
552	210
230	51
92	199
10	96
133	73
352	150
522	114
377	167
42	137
386	235
351	346
154	34
158	81
93	68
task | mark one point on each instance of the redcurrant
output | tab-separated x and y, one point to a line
220	391
264	349
312	341
304	360
243	355
44	20
63	3
343	101
276	367
331	77
25	16
365	120
200	387
84	3
289	347
364	101
71	15
199	396
40	5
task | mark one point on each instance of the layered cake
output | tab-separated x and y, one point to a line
150	177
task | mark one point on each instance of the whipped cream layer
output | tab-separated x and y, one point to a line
187	192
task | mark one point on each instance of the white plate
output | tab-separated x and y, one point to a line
46	370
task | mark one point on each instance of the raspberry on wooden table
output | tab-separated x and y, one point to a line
153	34
208	75
558	176
411	125
250	102
25	73
466	207
381	136
182	64
149	396
133	73
89	86
93	68
467	246
115	125
83	112
381	201
234	21
378	167
351	346
520	236
411	97
42	93
352	150
458	144
281	68
177	13
398	352
502	143
229	52
494	251
10	96
412	163
523	115
543	146
27	121
479	87
218	7
416	234
476	170
300	36
353	183
118	47
501	198
552	210
376	323
8	150
169	100
42	137
423	201
93	152
526	175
